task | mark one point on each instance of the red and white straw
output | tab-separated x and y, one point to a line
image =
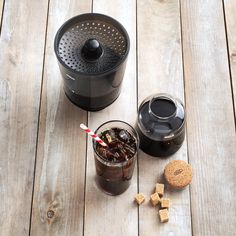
92	134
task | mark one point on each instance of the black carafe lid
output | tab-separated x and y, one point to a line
91	44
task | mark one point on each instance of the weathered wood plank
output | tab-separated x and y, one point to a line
230	18
21	62
107	215
160	70
60	170
211	131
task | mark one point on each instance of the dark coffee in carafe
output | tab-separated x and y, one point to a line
160	125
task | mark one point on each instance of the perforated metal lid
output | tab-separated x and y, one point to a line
91	44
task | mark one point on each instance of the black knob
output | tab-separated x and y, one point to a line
92	50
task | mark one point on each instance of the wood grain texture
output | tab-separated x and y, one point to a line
211	132
107	215
58	202
230	18
160	71
21	62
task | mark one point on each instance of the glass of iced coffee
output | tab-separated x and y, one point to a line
115	163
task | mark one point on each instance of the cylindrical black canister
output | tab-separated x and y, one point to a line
92	50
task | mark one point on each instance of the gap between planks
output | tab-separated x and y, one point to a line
229	61
137	94
2	4
185	96
40	99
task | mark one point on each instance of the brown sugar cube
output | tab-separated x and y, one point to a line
155	199
165	202
139	198
160	189
164	215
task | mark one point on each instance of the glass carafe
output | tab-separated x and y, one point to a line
161	125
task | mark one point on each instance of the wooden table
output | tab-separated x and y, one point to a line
186	48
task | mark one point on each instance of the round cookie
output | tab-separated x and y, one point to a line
178	174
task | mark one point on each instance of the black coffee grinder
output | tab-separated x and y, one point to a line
92	51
